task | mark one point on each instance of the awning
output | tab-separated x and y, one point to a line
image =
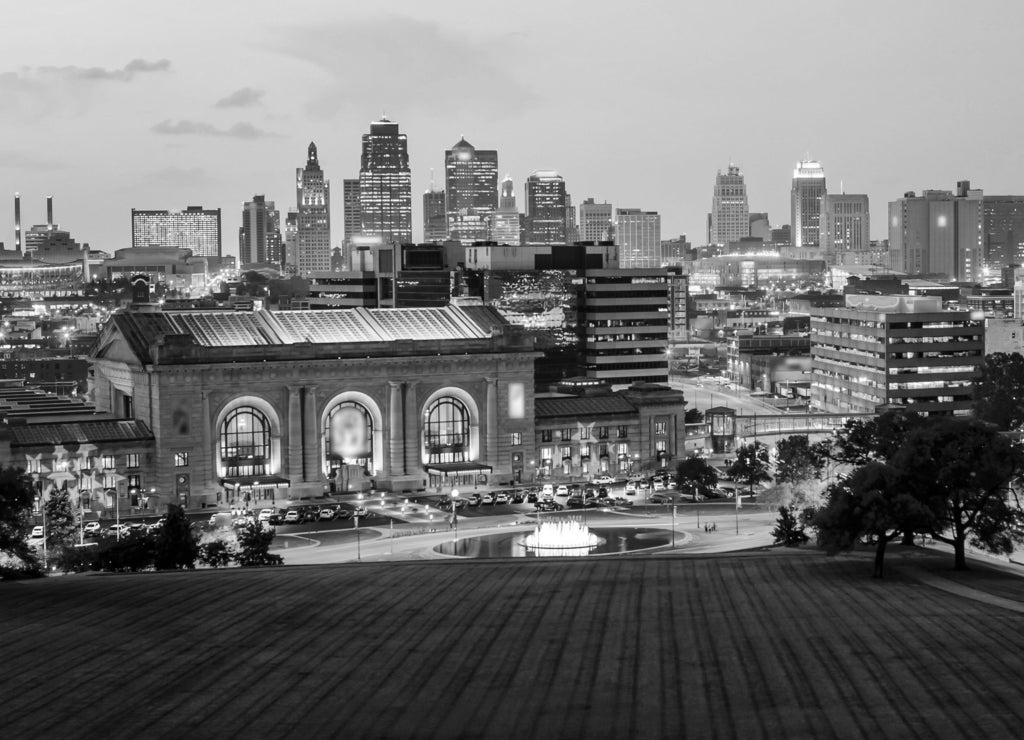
257	481
455	468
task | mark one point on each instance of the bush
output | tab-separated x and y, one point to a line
215	554
175	544
131	554
78	559
14	567
254	542
789	531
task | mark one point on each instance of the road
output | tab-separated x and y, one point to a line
704	395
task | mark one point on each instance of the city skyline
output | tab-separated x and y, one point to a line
196	132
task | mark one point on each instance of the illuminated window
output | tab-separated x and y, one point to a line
181	459
108	462
245	443
516	401
446	430
517	439
661	427
348	436
132	460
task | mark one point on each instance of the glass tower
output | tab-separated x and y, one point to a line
471	189
385	184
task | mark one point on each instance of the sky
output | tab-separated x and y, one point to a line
114	104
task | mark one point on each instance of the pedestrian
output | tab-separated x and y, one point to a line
714	527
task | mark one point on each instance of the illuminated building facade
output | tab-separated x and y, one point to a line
435	218
638	234
259	406
313	226
938	232
846	226
506	221
806	199
385	184
545	208
196	228
730	212
471	189
350	206
1003	231
259	236
895	349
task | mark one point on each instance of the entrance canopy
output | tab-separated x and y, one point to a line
257	481
457	468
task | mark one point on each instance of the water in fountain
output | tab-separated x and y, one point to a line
561	537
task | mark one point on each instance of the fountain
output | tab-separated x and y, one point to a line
561	538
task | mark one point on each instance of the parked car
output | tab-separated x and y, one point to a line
531	497
549	506
486	498
37	533
604	480
153	528
265	515
343	513
292	516
631	486
276	518
361	512
473	500
562	490
547	490
622	501
574	502
326	514
660	498
501	498
92	528
658	484
309	515
122	530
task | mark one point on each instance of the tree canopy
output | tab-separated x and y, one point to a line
751	465
797	460
16	495
696	477
999	392
175	544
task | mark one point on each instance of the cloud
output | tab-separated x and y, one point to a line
242	98
30	77
412	64
240	130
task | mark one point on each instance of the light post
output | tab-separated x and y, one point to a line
359	549
673	526
455	513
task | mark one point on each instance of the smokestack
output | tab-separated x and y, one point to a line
49	212
17	222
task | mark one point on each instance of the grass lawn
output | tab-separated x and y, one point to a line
769	645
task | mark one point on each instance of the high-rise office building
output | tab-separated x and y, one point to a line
350	206
806	200
760	228
506	226
435	217
471	190
259	236
313	200
1003	231
730	213
545	208
385	184
938	232
596	223
291	242
195	228
846	225
638	234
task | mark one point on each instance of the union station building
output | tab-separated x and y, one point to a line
292	404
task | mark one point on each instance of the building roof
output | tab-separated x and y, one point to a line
82	432
582	406
336	326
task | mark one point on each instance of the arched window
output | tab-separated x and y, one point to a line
446	428
348	436
245	442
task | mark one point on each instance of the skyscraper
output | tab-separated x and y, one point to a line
195	228
471	190
545	208
730	213
806	198
1003	231
435	217
385	184
638	234
596	224
350	206
505	221
572	231
846	226
938	232
313	199
259	236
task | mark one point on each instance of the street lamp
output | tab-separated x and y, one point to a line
455	513
359	549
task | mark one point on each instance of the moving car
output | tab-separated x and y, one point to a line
604	480
660	498
119	529
631	486
92	528
548	506
658	484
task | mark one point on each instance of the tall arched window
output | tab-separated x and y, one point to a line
446	428
348	436
245	442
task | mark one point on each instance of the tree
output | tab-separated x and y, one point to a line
874	502
693	416
797	461
751	465
999	392
61	524
215	554
175	544
963	469
861	441
16	496
254	542
696	477
789	531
